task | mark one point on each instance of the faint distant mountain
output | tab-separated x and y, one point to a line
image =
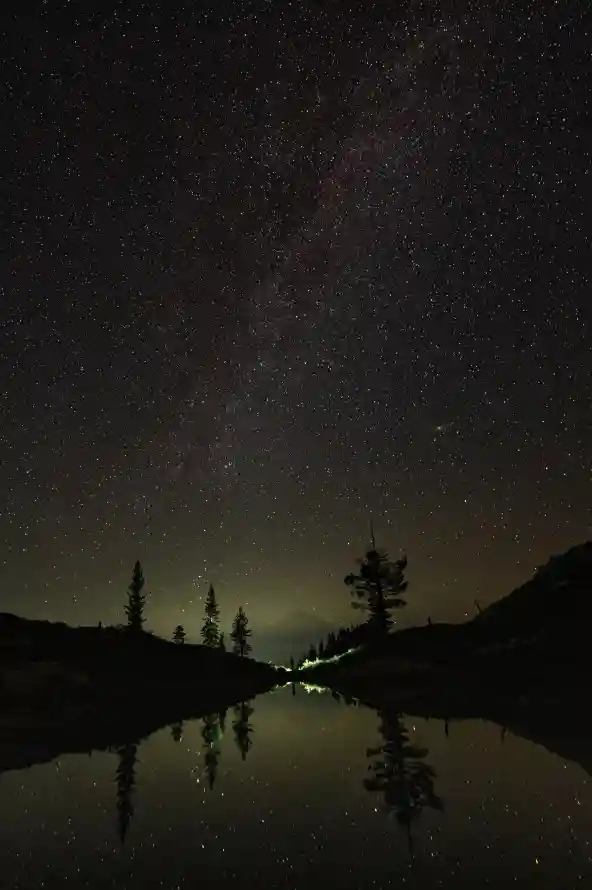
291	635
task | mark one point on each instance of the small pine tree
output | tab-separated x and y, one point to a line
222	643
378	586
134	608
179	635
312	654
240	634
210	630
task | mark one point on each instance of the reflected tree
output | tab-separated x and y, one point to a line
242	727
211	734
125	778
399	772
222	721
177	730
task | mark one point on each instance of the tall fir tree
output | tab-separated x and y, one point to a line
134	608
240	634
379	586
210	630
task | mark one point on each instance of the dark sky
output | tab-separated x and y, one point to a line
269	268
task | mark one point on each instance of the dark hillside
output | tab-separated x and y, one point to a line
556	599
538	634
56	666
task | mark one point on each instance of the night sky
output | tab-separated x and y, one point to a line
269	269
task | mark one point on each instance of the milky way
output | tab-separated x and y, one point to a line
270	271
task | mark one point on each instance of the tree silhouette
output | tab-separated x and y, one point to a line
177	730
211	736
222	643
399	772
240	633
242	728
134	608
210	631
179	635
378	586
125	777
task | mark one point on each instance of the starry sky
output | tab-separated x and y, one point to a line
269	269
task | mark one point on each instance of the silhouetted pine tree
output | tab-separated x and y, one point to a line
378	586
222	643
242	728
179	635
311	654
134	608
125	778
210	631
240	633
399	772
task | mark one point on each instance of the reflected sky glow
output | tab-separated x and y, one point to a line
512	810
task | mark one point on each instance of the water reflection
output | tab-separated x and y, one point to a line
211	733
177	730
242	728
330	793
400	773
213	727
125	779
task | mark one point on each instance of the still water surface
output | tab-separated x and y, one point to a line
302	791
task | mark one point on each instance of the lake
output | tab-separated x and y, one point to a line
302	791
